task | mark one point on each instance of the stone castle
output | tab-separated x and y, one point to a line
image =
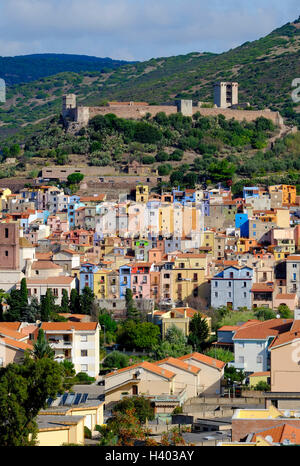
225	103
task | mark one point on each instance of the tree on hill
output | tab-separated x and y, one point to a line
64	305
87	299
174	345
47	305
132	311
74	304
199	332
116	359
75	178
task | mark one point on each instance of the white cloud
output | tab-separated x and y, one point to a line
136	29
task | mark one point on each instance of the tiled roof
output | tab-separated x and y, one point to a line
80	326
280	433
44	265
7	332
266	287
263	330
260	374
16	344
216	363
50	281
180	364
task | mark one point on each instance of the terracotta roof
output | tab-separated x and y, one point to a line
43	256
191	255
228	328
293	258
80	326
267	287
280	433
99	197
180	364
7	332
260	374
50	281
203	358
16	344
44	265
190	312
263	330
291	333
147	366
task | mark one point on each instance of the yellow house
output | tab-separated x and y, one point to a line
142	193
257	377
54	431
208	239
179	316
189	277
58	425
289	193
100	283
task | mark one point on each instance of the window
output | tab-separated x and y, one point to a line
245	284
6	232
259	359
83	337
294	276
216	284
229	284
84	367
245	295
229	294
84	353
216	295
6	253
294	266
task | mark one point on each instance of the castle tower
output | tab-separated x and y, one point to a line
226	94
69	105
185	107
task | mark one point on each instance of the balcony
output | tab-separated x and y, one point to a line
59	343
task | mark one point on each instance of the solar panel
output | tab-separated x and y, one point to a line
84	397
63	399
77	398
70	399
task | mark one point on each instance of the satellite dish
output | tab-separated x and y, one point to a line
269	439
277	316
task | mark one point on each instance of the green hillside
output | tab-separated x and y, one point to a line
264	69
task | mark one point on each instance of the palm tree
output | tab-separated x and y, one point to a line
41	348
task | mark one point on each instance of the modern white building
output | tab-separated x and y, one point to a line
77	342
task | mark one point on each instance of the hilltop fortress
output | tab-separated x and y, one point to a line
225	103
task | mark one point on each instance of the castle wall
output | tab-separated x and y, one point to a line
240	115
133	111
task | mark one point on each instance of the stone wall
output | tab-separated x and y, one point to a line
240	115
133	111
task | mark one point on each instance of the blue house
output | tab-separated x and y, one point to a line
87	271
124	279
232	288
242	222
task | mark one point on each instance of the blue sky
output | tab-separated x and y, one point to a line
137	29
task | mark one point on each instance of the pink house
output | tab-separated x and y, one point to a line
140	280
